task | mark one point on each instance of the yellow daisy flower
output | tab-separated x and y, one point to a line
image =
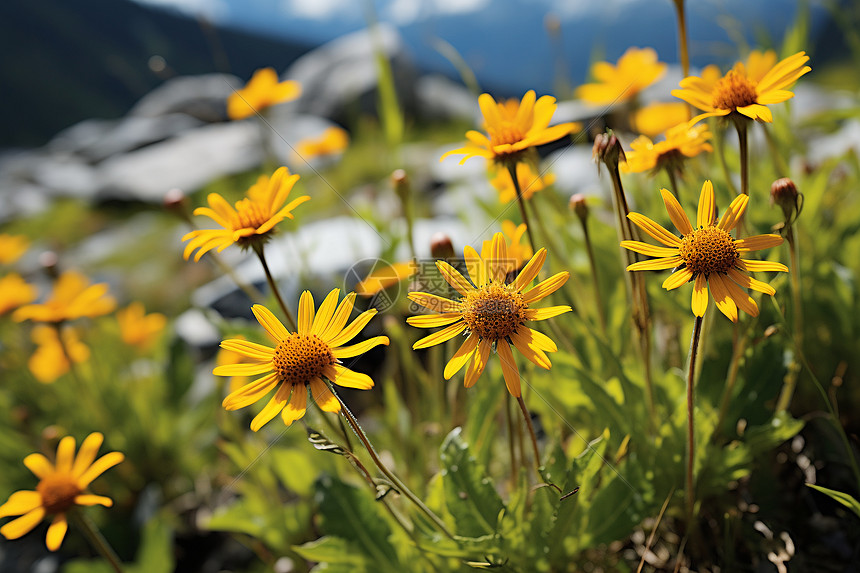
49	360
261	91
656	118
493	312
636	70
73	297
138	328
300	360
62	486
745	89
681	141
12	247
518	253
530	182
14	292
332	141
253	220
513	128
707	254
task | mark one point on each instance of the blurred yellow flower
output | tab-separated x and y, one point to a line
49	360
73	297
62	486
656	118
253	220
300	360
745	89
707	254
226	357
261	91
12	247
385	276
14	292
530	182
681	141
636	70
518	252
492	311
138	328
513	128
332	141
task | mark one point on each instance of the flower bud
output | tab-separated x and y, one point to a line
176	202
578	205
441	246
783	192
401	183
607	149
49	261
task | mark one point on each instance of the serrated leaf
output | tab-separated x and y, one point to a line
469	494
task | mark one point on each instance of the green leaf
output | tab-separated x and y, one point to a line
469	494
843	498
352	514
331	550
295	469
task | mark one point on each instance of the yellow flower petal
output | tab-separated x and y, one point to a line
545	313
23	525
454	278
707	212
509	368
21	502
741	298
56	532
747	281
250	393
650	250
676	213
435	303
441	336
296	407
700	296
349	379
324	397
530	271
274	328
433	320
545	288
272	409
306	313
100	466
461	356
655	230
250	349
758	243
478	363
760	266
677	279
656	264
734	213
721	297
360	348
325	312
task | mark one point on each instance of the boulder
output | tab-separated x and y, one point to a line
203	97
340	78
188	162
439	98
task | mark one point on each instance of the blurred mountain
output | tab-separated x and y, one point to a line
65	61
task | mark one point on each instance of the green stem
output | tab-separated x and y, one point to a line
739	347
743	150
512	451
691	438
598	299
790	382
97	539
673	181
682	44
512	170
258	248
401	487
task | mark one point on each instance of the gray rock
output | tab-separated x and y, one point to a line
81	136
835	144
135	132
339	79
440	98
65	175
575	171
203	97
188	162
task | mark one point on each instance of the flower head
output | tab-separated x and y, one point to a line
300	360
261	91
745	90
252	222
530	182
681	141
492	312
50	359
656	118
138	328
707	254
73	297
62	486
636	70
332	141
385	275
513	128
14	292
518	253
12	247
